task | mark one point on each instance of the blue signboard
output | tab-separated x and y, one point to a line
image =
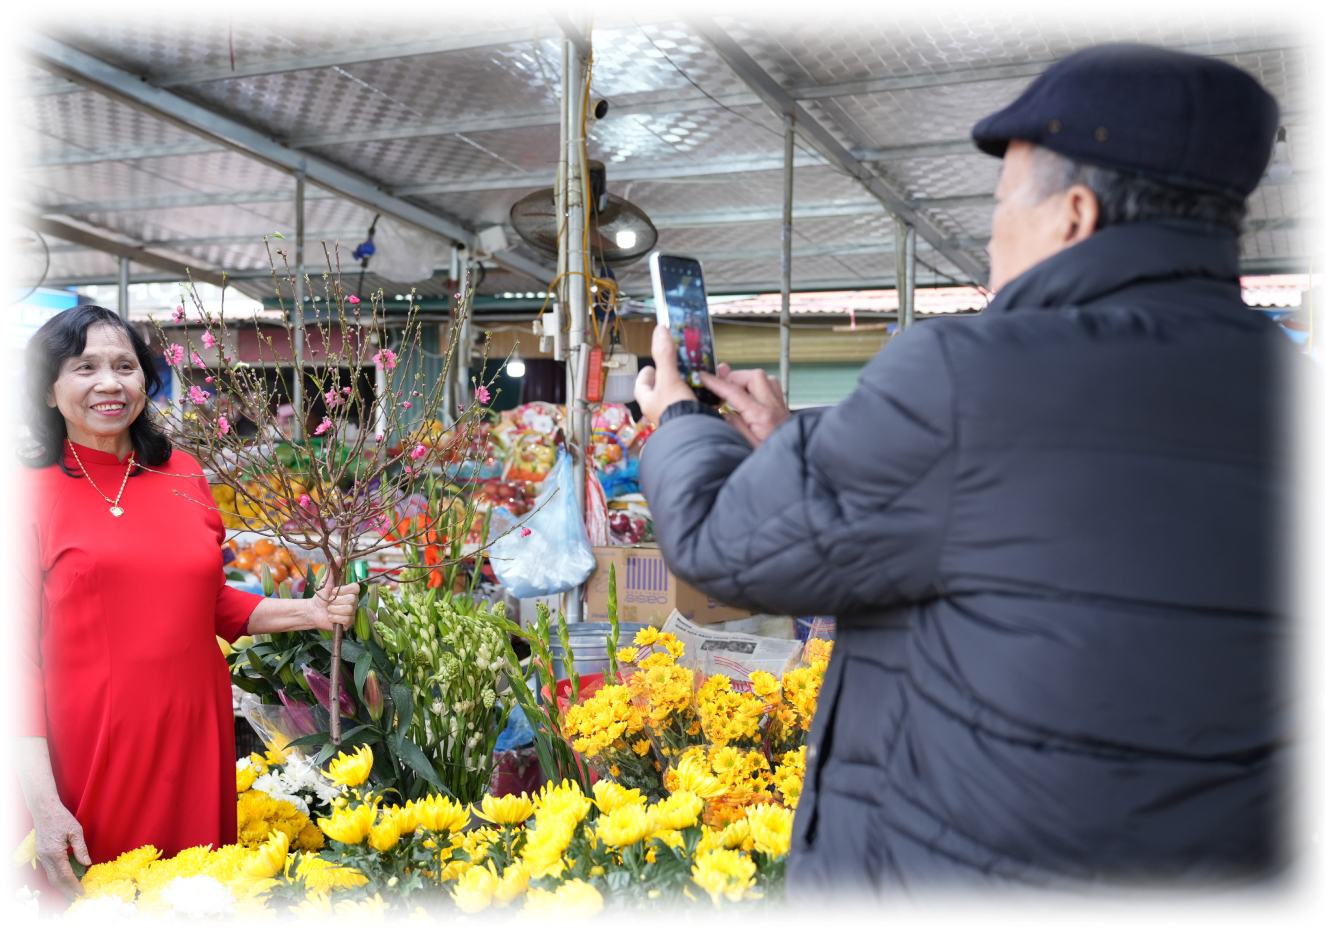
25	317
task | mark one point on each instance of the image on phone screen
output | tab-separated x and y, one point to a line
683	307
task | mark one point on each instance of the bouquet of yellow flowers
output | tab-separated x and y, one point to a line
730	716
662	690
609	731
800	696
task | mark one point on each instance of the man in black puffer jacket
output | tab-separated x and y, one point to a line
1049	532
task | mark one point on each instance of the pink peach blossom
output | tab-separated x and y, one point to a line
208	340
325	425
174	354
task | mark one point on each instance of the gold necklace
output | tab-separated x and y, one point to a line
116	510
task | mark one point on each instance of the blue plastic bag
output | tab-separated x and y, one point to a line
555	555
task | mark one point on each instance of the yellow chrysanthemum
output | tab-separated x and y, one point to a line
628	655
724	873
771	828
564	798
407	817
349	825
132	863
419	918
647	637
693	775
763	684
26	854
275	755
514	883
818	650
609	796
545	844
679	811
474	892
657	660
373	908
316	904
351	771
441	815
790	775
309	839
508	810
386	833
319	875
269	859
244	778
625	825
640	747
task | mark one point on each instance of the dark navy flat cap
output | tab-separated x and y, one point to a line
1189	121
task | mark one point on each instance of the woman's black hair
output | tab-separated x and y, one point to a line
64	336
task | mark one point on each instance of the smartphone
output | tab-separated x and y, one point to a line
681	306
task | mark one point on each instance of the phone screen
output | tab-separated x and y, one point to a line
683	308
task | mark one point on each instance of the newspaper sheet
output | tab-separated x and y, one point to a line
735	655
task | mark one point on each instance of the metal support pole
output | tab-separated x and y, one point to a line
909	260
123	306
904	256
577	284
785	315
297	400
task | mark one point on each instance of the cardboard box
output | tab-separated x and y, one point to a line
647	591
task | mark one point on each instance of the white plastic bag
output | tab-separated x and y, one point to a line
406	254
554	556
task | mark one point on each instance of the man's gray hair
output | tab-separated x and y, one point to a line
1128	198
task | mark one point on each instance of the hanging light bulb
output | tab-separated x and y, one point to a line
1280	170
626	239
515	368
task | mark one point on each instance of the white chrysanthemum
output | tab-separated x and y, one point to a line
199	896
280	790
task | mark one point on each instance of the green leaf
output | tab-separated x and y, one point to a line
316	739
351	650
310	584
362	666
327	752
403	698
245	683
277	235
414	757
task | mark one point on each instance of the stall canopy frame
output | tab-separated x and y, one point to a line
137	138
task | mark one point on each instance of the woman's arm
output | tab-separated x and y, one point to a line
328	608
57	830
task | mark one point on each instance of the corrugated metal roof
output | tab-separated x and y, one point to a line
457	114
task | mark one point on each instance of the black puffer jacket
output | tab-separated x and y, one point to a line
1049	534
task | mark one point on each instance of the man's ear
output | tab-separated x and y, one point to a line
1083	212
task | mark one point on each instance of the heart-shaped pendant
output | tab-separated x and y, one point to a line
116	511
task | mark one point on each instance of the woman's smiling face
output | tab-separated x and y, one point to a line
100	392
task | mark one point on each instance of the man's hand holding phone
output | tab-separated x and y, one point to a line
755	399
659	387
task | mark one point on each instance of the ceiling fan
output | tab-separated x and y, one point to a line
619	232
